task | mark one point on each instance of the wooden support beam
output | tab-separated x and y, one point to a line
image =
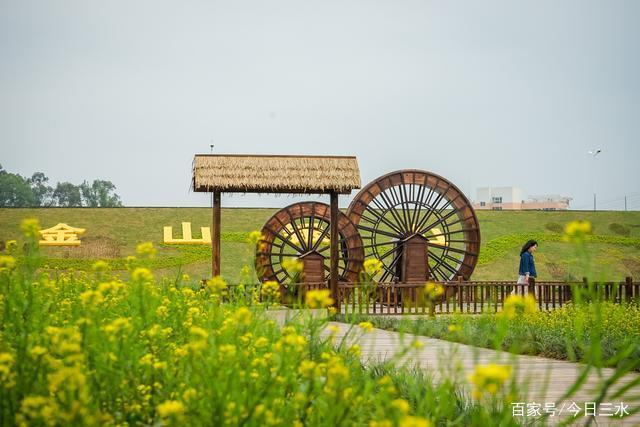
215	238
333	279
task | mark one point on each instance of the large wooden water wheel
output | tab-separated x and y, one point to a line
302	231
419	225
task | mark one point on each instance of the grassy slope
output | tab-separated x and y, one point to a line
128	226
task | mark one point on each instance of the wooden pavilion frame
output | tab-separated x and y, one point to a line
241	173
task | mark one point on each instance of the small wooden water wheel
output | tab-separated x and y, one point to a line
302	231
419	225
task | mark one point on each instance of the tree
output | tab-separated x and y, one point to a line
67	195
14	190
42	193
100	194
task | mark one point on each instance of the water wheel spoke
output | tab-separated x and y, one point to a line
462	230
442	277
438	222
400	204
311	230
323	234
417	206
449	224
459	261
441	262
432	209
284	238
389	269
383	219
390	207
298	233
378	231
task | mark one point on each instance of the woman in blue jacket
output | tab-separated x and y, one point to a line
527	263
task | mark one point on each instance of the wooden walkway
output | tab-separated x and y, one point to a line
546	380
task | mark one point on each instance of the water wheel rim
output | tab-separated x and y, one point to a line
302	228
426	202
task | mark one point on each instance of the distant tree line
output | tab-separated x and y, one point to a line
17	191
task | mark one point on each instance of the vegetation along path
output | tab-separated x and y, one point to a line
544	381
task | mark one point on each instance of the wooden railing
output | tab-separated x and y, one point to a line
460	296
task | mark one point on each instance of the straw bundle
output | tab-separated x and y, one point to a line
275	174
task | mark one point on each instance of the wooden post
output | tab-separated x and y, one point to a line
532	286
215	238
628	288
333	278
460	296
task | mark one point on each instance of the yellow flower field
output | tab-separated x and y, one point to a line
88	348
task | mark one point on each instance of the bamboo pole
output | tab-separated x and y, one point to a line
333	279
215	238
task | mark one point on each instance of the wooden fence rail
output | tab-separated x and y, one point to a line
458	296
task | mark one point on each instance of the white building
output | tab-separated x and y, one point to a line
499	198
510	198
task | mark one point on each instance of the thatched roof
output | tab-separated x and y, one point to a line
275	174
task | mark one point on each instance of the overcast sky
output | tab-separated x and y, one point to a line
485	93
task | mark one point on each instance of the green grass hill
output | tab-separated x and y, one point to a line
112	234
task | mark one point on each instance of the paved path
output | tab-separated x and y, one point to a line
547	379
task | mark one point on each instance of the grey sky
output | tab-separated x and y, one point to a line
485	93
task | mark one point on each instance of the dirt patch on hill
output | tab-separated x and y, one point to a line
94	247
557	271
633	264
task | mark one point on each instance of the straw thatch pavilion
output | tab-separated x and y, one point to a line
239	173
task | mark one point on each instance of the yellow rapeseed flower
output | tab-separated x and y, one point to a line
7	378
30	227
254	237
198	333
516	305
100	266
489	378
355	350
66	379
7	262
318	298
37	351
293	266
366	326
270	290
34	410
261	342
171	408
227	351
146	250
372	266
333	329
411	421
401	405
217	285
142	274
575	231
91	298
189	394
307	368
243	316
147	360
117	328
433	290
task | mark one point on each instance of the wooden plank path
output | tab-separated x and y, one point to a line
546	380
